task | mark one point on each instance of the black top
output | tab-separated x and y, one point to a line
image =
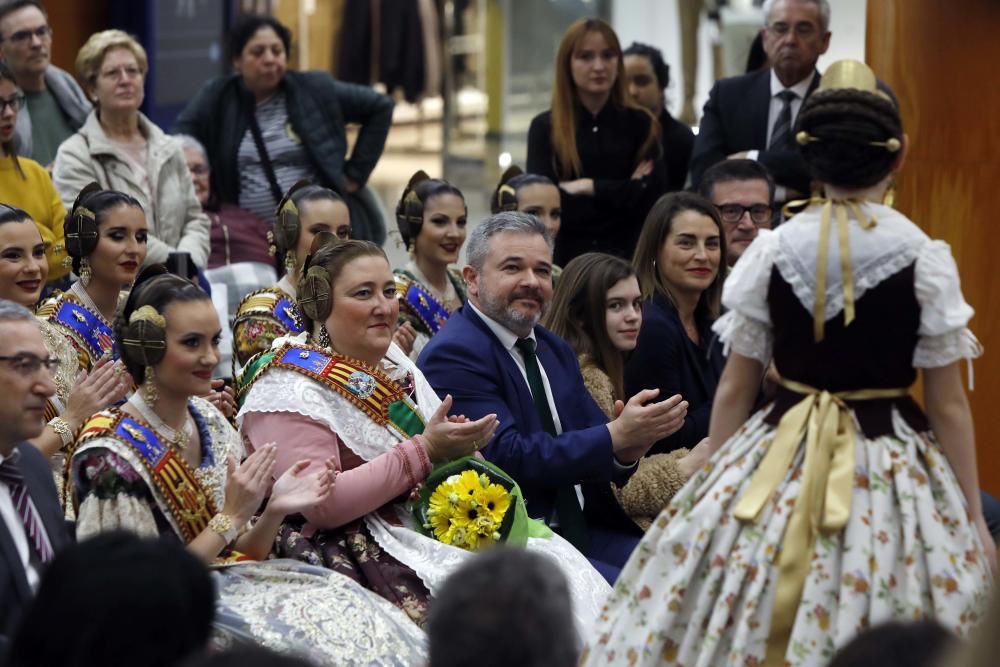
609	145
677	140
665	358
874	352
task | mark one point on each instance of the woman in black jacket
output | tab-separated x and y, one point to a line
677	261
266	128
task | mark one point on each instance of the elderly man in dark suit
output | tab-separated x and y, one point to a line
752	116
492	357
31	521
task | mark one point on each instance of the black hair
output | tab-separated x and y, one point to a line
410	209
247	656
527	621
660	67
99	202
916	644
505	199
842	125
158	291
247	26
314	193
9	8
735	170
10	213
156	598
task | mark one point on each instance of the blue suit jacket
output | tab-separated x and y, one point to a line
467	361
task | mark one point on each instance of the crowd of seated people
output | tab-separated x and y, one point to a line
699	412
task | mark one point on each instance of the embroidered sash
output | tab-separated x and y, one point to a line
417	300
276	303
188	503
369	389
86	327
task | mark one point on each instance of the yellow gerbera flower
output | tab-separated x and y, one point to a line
495	500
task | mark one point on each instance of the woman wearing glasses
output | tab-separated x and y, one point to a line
305	211
678	264
120	149
25	184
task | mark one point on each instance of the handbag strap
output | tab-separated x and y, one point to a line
265	159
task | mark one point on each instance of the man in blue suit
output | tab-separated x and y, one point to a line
492	357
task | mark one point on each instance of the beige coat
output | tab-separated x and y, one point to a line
175	218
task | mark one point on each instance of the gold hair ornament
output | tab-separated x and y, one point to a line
314	293
145	339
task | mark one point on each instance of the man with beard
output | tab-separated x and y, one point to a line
753	116
492	357
743	193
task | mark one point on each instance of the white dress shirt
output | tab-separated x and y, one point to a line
9	515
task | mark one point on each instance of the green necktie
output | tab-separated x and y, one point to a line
571	522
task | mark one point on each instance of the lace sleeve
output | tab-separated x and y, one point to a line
944	313
745	289
745	335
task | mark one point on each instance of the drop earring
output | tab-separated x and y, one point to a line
85	273
324	337
149	393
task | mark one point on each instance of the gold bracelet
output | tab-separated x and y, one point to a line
223	526
62	429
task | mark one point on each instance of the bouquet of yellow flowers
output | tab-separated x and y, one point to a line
471	504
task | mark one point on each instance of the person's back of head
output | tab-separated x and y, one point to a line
116	600
504	607
896	644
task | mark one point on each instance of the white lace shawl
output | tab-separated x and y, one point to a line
281	390
876	254
125	512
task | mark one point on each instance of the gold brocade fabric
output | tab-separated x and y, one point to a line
824	420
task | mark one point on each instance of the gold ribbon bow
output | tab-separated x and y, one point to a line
840	206
824	500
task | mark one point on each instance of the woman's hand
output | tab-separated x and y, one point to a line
223	398
581	186
296	490
451	437
644	169
405	337
692	462
105	385
247	484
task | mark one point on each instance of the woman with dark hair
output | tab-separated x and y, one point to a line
842	505
431	216
533	194
266	127
346	394
165	464
597	309
597	145
266	314
131	587
26	184
678	262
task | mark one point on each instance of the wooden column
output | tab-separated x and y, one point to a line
941	59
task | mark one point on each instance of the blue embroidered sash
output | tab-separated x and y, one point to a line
287	312
419	302
87	327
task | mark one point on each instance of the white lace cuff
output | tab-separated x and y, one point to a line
745	335
947	348
123	512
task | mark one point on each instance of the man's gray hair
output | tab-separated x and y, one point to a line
822	5
188	142
15	312
505	221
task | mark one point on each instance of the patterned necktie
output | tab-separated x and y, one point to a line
11	475
572	525
781	136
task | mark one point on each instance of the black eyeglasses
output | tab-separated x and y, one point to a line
760	214
16	103
29	364
41	32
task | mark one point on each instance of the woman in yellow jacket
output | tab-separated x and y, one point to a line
26	184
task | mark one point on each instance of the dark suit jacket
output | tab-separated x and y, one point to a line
665	358
14	590
735	119
467	361
677	140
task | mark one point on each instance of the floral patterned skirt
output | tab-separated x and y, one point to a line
699	590
352	551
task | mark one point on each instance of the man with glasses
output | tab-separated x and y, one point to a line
753	116
32	529
743	192
55	105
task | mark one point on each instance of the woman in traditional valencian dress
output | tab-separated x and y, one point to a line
350	395
533	194
165	464
431	216
269	313
841	505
